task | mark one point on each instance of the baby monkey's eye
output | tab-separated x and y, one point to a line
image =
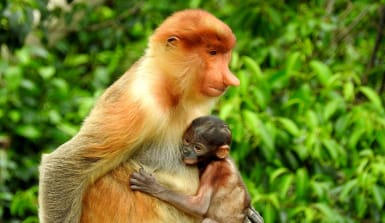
197	148
213	52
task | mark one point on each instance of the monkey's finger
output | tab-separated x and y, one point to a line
138	176
137	179
254	216
135	187
247	220
137	183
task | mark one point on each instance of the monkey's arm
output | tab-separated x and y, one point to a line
195	205
62	182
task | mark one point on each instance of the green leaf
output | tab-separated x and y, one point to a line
292	62
253	66
372	96
13	77
269	214
226	109
347	188
330	146
47	72
323	72
29	131
76	59
378	195
361	204
330	108
326	210
311	119
289	125
278	172
285	185
302	183
258	128
348	91
244	79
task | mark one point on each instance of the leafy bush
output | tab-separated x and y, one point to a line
308	119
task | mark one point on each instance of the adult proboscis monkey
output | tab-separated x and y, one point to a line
139	122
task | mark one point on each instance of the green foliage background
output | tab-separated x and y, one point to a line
308	119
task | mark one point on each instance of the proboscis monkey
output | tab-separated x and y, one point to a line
222	196
139	122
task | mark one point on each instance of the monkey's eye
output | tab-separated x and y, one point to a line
197	148
213	52
186	141
172	39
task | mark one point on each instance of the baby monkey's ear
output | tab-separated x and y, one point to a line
223	151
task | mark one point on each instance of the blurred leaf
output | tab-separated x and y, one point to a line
24	201
277	173
360	204
29	131
378	195
292	62
347	189
330	108
13	77
302	183
323	71
289	125
253	67
47	72
76	60
326	210
348	91
372	96
259	128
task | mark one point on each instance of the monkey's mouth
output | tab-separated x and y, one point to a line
190	161
216	91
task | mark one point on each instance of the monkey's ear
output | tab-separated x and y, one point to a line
223	151
172	40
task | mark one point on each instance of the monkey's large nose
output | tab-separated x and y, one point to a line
230	79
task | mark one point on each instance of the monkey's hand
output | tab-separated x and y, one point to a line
145	182
252	216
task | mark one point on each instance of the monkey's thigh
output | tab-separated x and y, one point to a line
110	199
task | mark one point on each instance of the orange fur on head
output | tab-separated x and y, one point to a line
195	28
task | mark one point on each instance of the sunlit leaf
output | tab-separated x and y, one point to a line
29	131
378	195
76	60
277	173
372	96
347	189
348	91
47	72
326	210
258	128
302	183
323	71
330	108
330	146
289	125
292	62
253	66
